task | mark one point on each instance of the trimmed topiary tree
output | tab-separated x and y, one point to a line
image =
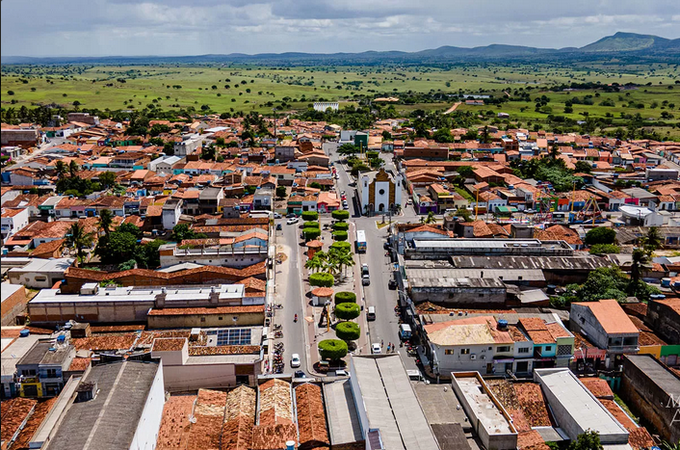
311	225
321	279
342	246
340	214
340	226
347	311
310	215
348	331
332	349
345	297
340	235
311	233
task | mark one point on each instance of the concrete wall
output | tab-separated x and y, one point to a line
211	320
581	319
223	258
13	305
664	320
149	423
660	408
35	280
90	312
479	298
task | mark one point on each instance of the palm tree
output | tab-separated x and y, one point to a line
314	264
73	168
653	240
640	259
344	259
430	217
77	238
554	151
60	168
105	220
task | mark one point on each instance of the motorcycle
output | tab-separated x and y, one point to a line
278	334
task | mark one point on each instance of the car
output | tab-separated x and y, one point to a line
342	193
290	215
278	226
292	220
386	245
364	269
300	374
277	215
409	202
345	204
375	349
365	280
392	284
295	360
341	373
343	198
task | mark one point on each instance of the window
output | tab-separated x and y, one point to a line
564	350
523	350
202	319
219	318
464	351
51	373
449	352
504	348
548	348
381	192
28	373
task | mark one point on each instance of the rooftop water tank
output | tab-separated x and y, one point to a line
24	333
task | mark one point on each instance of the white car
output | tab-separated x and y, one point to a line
375	349
277	215
295	360
292	220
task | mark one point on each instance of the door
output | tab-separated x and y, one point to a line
489	367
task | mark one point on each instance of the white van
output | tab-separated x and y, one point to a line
371	313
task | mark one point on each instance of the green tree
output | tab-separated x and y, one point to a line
130	228
602	249
332	349
430	217
653	240
554	151
348	149
314	264
340	235
311	233
107	179
340	226
105	220
340	214
583	167
181	232
348	331
315	185
640	260
345	297
280	191
464	214
321	279
77	238
347	311
127	265
600	235
466	171
60	168
117	247
343	258
73	168
589	440
310	215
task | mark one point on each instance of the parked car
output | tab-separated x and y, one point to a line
300	374
277	215
392	284
364	269
278	226
365	280
341	373
375	349
295	360
292	220
290	215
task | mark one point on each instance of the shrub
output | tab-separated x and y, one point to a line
345	297
340	235
600	235
311	225
332	349
347	311
310	215
311	233
340	226
348	331
601	249
342	246
340	214
322	279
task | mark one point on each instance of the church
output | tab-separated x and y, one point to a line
379	192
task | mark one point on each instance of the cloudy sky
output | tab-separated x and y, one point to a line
175	27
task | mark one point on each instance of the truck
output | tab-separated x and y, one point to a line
361	241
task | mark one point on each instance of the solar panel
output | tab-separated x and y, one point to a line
234	336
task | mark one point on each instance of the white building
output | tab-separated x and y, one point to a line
190	143
378	193
164	164
40	273
172	209
13	220
323	106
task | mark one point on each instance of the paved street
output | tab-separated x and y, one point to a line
385	328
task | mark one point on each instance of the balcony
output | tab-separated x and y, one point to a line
623	348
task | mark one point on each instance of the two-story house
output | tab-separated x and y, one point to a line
40	371
605	324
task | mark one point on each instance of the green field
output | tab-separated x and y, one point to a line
261	89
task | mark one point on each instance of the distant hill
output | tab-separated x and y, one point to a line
623	46
630	42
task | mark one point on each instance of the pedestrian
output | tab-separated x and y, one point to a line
382	343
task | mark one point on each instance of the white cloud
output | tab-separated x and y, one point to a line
174	27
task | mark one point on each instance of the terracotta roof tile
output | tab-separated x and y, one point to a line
598	387
311	416
13	412
611	317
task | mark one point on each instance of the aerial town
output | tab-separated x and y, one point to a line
280	299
